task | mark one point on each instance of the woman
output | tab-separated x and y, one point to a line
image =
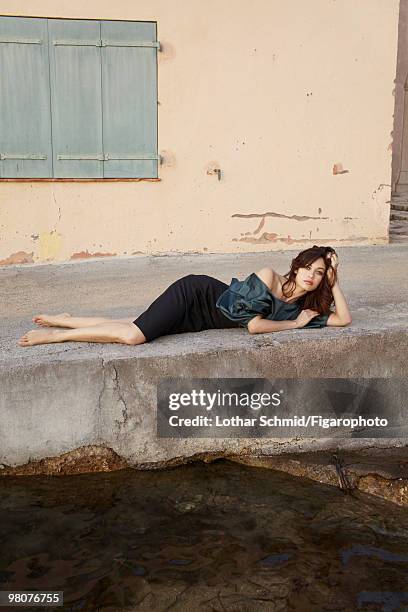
263	302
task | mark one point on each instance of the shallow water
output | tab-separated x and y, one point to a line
216	537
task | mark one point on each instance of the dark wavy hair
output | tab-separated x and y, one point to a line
321	298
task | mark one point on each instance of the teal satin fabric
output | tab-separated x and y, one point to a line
243	300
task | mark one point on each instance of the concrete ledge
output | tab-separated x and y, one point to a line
69	401
57	398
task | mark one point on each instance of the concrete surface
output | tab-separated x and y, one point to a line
58	398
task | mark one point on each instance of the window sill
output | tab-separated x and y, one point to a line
78	180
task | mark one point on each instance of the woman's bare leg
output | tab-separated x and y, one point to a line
65	320
115	331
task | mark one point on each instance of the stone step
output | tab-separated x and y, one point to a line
403	237
400	215
398	227
399	234
403	195
398	231
398	239
398	206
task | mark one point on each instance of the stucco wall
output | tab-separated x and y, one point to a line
275	94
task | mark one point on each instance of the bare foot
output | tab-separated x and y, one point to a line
40	336
51	320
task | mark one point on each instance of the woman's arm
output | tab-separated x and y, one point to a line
341	316
258	325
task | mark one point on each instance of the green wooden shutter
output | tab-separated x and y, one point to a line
25	123
83	105
129	99
75	67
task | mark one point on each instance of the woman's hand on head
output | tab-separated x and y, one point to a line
305	316
333	262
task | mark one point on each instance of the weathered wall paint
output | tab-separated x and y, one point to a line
17	258
87	255
50	244
274	106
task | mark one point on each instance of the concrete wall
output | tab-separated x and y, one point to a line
292	100
60	402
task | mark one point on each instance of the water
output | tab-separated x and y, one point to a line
202	537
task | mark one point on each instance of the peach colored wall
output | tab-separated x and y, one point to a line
275	93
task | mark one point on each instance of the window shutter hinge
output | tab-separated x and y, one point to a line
109	157
102	43
21	156
22	41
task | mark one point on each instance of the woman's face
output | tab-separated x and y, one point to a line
310	277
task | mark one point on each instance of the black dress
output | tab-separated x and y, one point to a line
187	305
